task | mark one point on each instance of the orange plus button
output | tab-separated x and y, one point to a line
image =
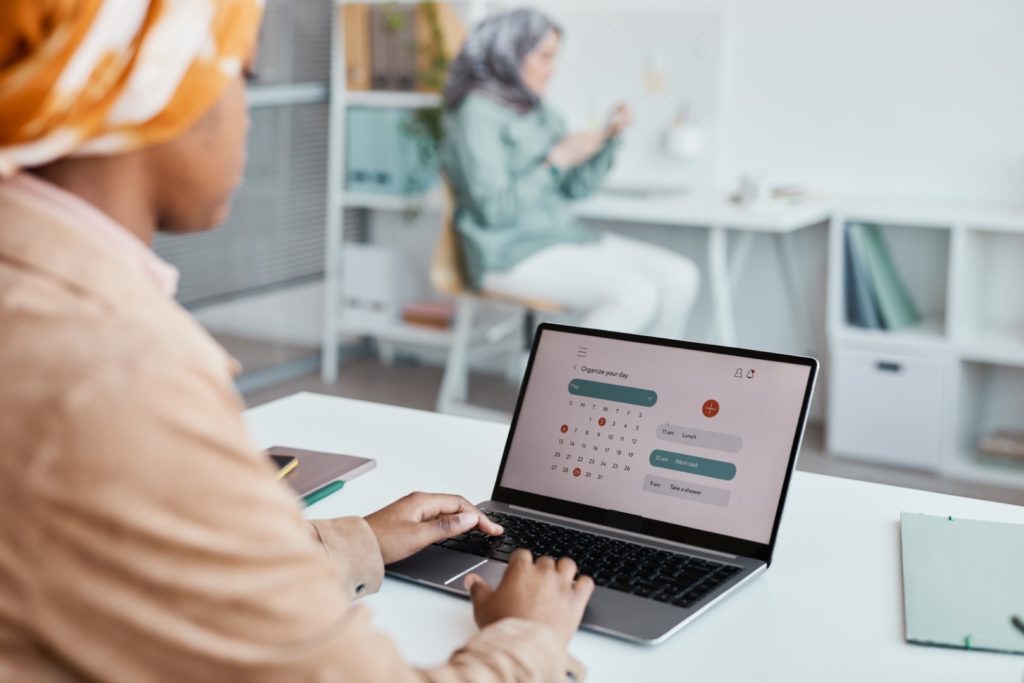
565	428
710	408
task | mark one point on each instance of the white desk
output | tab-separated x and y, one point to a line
719	216
829	609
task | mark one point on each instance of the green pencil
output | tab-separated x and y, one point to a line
322	492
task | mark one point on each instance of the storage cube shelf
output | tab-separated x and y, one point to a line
991	321
930	332
392	99
924	395
384	156
432	200
994	405
411	190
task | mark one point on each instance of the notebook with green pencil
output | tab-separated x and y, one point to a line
317	469
963	582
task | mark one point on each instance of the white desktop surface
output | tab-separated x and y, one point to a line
830	608
711	211
701	209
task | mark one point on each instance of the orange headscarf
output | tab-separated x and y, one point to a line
82	77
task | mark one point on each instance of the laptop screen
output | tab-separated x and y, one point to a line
695	438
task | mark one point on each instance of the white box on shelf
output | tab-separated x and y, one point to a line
890	407
376	283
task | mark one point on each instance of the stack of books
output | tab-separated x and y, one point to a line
390	46
430	313
1005	444
876	297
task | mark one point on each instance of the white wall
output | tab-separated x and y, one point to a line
894	97
290	315
909	98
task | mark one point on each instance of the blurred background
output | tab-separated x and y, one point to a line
848	176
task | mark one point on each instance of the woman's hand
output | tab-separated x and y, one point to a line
543	591
410	524
620	119
575	148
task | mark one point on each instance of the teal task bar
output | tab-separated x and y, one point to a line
613	392
692	464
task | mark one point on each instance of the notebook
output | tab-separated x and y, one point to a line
963	582
316	469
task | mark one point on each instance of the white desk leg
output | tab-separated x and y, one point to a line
387	352
721	287
796	295
455	382
740	256
330	341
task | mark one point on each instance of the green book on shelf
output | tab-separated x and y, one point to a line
962	583
895	307
861	306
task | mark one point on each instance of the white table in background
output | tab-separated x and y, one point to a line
719	216
829	609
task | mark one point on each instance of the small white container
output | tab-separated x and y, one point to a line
376	284
888	407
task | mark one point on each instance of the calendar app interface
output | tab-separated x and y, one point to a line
688	437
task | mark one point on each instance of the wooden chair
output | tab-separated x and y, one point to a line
471	337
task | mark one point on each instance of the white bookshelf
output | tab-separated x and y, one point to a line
391	202
994	346
391	99
335	325
399	332
923	396
966	465
926	334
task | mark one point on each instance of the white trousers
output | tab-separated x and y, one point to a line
617	284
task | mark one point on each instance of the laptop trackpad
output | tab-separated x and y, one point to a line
491	572
436	565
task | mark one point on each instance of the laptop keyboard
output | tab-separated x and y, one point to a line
619	565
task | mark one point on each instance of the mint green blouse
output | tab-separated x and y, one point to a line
508	203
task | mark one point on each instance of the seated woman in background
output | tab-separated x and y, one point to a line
514	169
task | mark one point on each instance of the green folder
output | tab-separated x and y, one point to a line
861	303
963	583
895	307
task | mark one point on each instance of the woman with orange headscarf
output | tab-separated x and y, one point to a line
143	536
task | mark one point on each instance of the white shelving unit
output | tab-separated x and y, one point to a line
923	396
392	99
391	202
398	333
335	325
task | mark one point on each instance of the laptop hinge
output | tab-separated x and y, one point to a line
623	521
599	528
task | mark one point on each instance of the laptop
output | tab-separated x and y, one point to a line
660	466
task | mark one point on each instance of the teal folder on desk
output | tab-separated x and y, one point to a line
963	582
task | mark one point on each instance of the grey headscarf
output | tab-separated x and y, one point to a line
492	56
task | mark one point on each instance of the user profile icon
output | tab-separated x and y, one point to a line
739	373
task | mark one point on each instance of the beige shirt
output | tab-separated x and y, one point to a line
144	537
